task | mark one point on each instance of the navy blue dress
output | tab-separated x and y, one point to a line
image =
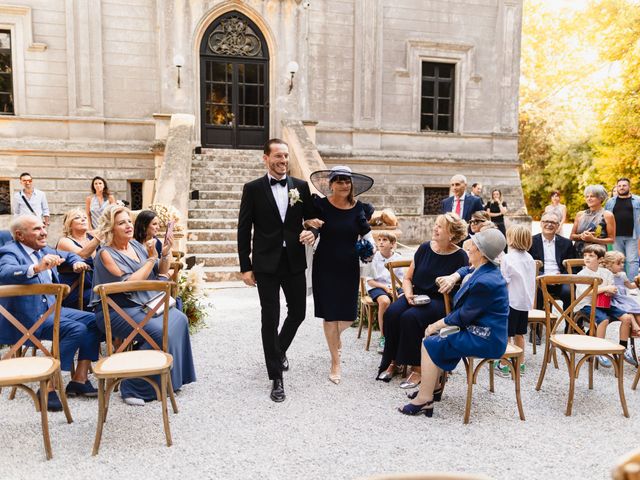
336	268
68	277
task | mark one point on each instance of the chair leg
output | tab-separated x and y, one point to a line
44	419
635	379
534	336
591	362
362	309
369	326
63	397
467	408
619	364
172	396
545	360
101	416
165	413
491	376
515	362
572	382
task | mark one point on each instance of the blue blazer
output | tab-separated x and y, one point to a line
481	310
471	204
14	262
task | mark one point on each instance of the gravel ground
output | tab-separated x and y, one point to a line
228	428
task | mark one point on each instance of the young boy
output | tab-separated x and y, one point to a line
593	254
379	284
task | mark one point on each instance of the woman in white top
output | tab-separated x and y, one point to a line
96	203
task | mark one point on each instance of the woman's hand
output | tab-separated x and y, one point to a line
150	245
587	236
433	328
447	283
410	297
313	223
168	243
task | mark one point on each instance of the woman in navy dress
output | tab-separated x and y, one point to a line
75	226
480	309
336	267
404	321
122	259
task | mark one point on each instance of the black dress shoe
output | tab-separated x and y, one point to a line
277	391
285	363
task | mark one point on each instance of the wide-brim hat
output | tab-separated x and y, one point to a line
491	243
321	179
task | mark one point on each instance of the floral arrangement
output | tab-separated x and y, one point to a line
364	250
166	214
194	301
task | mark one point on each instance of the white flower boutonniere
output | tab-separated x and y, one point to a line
294	197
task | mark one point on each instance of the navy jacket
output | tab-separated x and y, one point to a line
471	204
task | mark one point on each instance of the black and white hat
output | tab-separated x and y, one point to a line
321	179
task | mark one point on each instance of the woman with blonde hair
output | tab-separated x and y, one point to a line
406	318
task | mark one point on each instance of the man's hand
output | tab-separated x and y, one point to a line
80	267
249	278
307	237
48	262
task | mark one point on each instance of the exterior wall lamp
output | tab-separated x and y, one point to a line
292	69
178	61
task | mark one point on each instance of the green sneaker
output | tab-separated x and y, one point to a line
501	370
381	345
522	369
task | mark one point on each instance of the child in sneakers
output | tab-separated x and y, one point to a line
519	270
593	254
614	262
379	284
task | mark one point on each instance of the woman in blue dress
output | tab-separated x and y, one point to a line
480	310
404	321
96	204
336	267
122	259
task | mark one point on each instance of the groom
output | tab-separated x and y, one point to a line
275	205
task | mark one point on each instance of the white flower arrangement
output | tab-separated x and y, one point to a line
166	214
294	197
195	302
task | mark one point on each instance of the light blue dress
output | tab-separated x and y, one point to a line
622	299
183	371
96	209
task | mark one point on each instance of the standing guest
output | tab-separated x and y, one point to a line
274	206
75	226
336	267
497	208
626	211
30	201
96	203
480	309
124	259
558	209
146	227
519	271
460	203
379	283
595	225
476	190
26	261
404	320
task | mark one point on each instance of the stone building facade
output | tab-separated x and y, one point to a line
408	91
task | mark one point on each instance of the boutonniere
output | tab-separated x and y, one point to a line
294	197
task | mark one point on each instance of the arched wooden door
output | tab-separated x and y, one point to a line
234	84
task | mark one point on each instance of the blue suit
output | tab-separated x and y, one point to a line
481	310
78	330
471	204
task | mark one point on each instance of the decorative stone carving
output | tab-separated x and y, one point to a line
234	37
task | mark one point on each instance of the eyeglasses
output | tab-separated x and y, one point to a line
548	222
474	222
24	180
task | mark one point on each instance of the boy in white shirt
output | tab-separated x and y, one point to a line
379	284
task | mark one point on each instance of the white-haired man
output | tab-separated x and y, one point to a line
460	203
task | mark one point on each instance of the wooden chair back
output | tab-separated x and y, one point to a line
28	334
566	312
177	255
539	266
395	281
175	268
572	264
78	283
107	290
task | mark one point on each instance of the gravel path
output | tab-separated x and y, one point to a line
228	428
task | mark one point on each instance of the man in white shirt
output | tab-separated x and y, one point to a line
30	201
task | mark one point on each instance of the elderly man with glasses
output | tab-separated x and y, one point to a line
30	201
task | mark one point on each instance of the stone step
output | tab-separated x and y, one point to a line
220	195
213	234
212	223
253	164
220	178
218	259
214	204
215	246
216	186
203	214
222	274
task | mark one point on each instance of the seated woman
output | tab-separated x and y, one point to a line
146	227
122	259
404	321
75	227
478	220
480	309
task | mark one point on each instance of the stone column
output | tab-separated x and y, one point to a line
510	30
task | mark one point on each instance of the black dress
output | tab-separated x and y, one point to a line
494	207
336	269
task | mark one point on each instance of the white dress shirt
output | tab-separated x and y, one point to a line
38	202
455	201
281	196
519	270
380	273
549	252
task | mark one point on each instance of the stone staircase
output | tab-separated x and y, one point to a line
219	176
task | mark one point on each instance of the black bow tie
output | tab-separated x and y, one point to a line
282	182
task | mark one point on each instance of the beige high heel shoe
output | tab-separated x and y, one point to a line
335	377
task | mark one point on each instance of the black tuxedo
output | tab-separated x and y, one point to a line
564	250
471	204
273	265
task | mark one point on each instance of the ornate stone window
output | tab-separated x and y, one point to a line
234	37
135	194
6	74
432	198
437	97
5	197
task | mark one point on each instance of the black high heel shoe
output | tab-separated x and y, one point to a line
411	409
437	394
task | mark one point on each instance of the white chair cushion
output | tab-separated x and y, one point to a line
586	343
26	367
536	314
138	360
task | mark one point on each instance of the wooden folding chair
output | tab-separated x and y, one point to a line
395	281
17	371
174	268
78	284
121	364
628	467
368	310
537	317
578	343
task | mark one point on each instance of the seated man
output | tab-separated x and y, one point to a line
28	260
